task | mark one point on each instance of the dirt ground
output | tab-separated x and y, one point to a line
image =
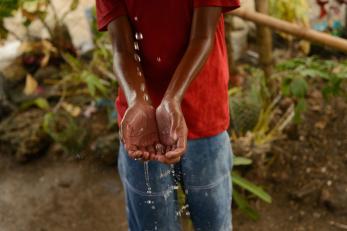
305	174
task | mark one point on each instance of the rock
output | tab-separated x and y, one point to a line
22	135
106	148
335	198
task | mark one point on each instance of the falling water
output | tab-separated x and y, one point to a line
149	189
137	57
138	36
136	46
180	212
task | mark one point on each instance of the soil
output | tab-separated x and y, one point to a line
305	174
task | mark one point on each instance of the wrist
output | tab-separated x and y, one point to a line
139	98
172	98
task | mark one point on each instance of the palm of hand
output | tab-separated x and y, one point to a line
139	131
172	131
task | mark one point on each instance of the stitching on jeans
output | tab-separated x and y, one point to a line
143	193
209	186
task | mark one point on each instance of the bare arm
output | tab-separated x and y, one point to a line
171	123
126	68
138	129
201	43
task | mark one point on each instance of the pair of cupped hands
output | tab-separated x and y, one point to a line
158	134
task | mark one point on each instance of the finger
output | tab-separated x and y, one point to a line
131	154
138	154
145	156
151	150
130	147
179	151
153	157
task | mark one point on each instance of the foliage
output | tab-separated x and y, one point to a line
240	183
290	10
294	76
64	130
296	11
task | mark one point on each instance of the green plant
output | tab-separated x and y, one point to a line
64	130
295	75
295	11
241	184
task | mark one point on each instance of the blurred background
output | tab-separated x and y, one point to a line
288	109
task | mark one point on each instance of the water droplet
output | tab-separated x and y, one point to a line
137	58
175	187
141	129
138	36
153	207
188	213
186	191
158	59
143	87
146	98
136	46
136	18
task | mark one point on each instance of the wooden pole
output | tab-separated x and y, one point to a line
293	29
264	40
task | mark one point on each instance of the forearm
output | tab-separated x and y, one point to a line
201	42
126	63
130	77
190	65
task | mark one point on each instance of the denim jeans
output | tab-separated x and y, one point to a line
204	174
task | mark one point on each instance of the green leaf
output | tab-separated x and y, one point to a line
72	61
42	103
39	102
252	188
244	206
94	83
285	87
298	87
241	161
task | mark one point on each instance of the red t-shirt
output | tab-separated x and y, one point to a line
165	26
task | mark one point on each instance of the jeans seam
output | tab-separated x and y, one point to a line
209	186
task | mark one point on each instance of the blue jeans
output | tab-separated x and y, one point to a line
204	174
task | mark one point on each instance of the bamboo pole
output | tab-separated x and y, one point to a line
293	29
264	40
